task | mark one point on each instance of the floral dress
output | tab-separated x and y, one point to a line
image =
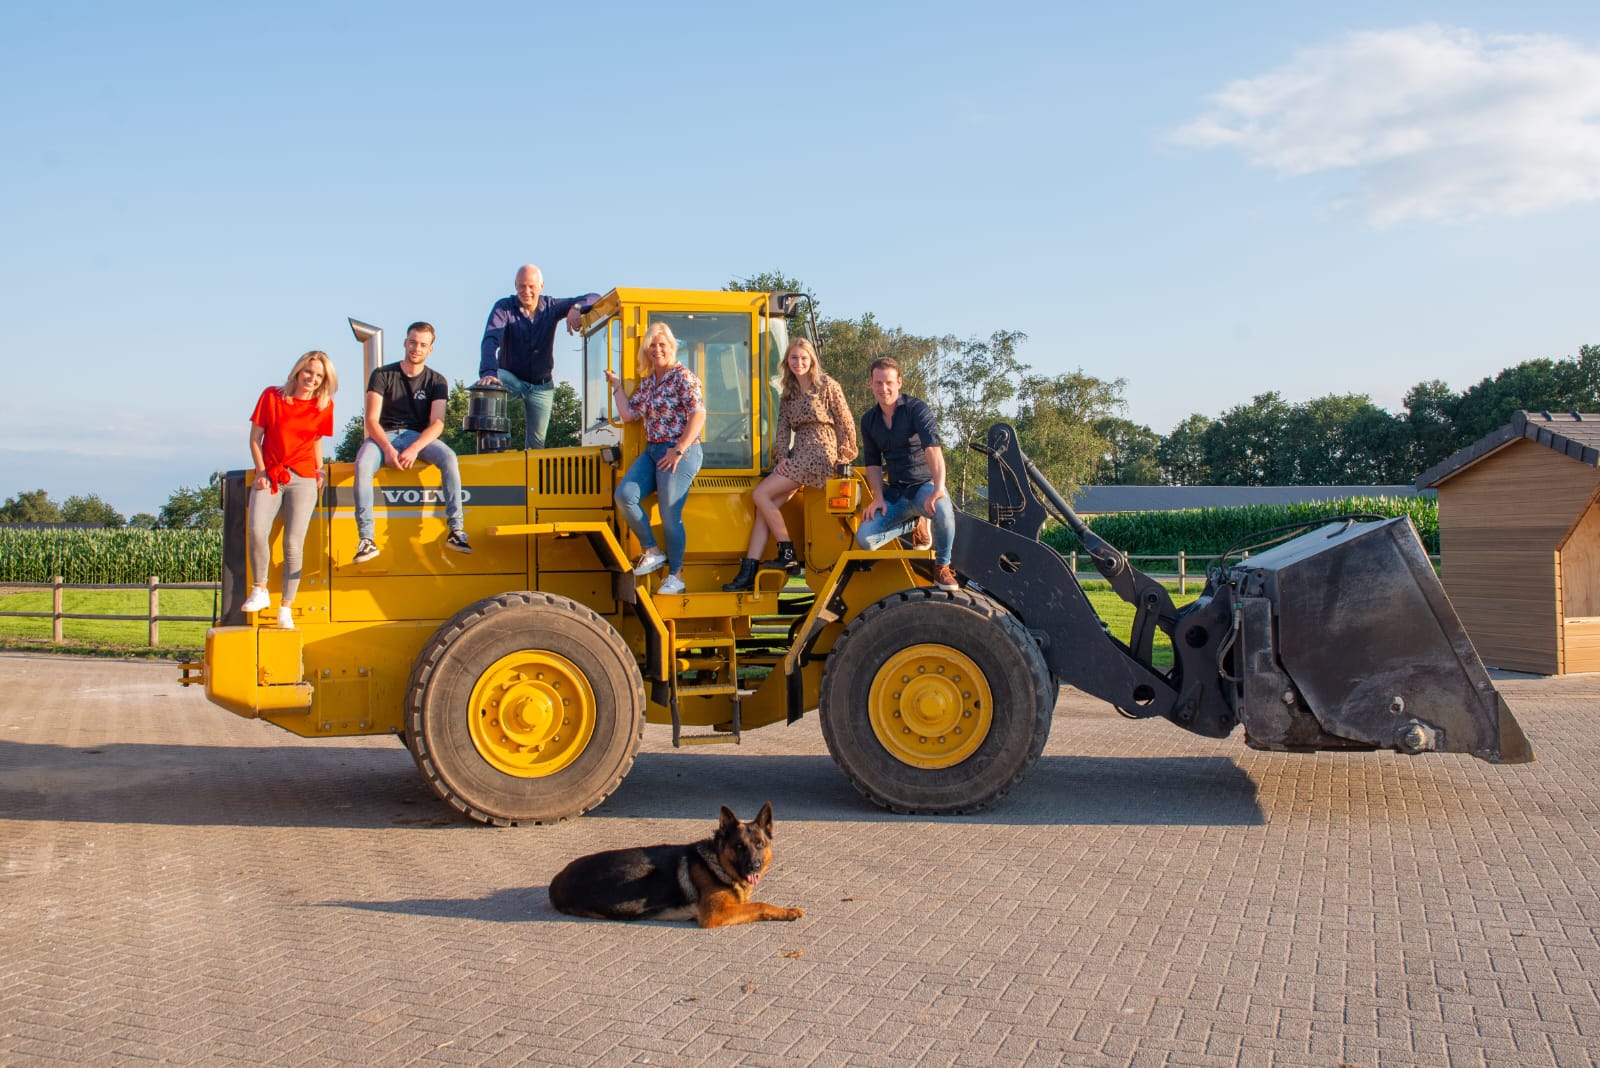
824	433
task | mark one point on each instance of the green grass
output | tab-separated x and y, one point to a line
1118	615
180	640
114	636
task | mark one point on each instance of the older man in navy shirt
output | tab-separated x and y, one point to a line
519	347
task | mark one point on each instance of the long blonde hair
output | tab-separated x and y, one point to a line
792	380
330	378
641	362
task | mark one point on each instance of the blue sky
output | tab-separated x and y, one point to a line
1208	201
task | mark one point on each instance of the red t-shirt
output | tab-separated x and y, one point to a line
291	429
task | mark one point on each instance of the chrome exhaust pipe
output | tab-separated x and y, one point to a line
371	338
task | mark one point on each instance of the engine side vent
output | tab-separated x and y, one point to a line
570	473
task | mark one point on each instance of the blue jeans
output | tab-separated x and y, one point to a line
536	401
671	489
903	512
369	458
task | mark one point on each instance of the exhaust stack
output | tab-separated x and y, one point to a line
371	338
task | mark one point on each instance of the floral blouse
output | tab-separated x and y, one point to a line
666	403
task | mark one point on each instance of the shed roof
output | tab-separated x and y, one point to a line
1100	500
1574	434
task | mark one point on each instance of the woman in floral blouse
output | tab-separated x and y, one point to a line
814	411
672	404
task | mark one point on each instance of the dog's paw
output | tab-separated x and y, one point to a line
792	914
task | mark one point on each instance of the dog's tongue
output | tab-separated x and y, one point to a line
755	877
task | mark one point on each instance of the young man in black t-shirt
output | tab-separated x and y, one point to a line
405	416
904	461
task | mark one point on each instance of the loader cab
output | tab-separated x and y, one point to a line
733	342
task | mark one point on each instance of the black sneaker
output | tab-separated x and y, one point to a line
458	541
366	550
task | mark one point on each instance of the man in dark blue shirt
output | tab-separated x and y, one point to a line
904	461
518	347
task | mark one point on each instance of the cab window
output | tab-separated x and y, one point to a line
716	347
775	341
602	348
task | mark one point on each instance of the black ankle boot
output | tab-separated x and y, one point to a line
745	579
785	560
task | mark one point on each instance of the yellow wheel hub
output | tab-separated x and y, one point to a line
532	714
930	706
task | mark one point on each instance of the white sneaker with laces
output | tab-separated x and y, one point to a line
285	618
652	559
257	600
673	584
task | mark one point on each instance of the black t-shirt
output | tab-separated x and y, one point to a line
407	401
897	446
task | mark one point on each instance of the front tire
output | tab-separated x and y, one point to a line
935	702
526	707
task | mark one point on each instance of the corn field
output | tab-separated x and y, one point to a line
1209	531
108	556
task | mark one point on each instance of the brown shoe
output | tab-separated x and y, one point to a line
922	534
945	579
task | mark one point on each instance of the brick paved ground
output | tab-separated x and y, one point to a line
180	885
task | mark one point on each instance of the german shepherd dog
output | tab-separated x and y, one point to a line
709	881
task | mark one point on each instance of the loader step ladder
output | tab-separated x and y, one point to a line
710	647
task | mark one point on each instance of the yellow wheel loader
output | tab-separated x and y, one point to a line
521	676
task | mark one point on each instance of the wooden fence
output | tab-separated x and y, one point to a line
152	615
1185	568
1181	572
1181	575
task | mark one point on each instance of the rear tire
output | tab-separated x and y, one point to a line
935	702
526	707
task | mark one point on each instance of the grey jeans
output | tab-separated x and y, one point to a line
298	499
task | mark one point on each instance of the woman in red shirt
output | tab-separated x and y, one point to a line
286	432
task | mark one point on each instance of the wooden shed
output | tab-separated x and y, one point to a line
1519	541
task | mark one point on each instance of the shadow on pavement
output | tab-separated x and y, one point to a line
1067	790
517	904
287	786
379	786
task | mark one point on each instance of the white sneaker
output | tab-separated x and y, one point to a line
285	618
652	559
673	584
257	600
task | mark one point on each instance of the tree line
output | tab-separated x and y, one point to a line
187	508
1073	425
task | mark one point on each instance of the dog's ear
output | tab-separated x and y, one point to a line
727	823
764	818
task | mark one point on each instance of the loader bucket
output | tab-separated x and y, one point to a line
1347	640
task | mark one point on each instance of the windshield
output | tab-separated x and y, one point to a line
716	347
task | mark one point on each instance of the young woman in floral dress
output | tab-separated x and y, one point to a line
814	412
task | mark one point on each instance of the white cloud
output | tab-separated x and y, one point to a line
1435	122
